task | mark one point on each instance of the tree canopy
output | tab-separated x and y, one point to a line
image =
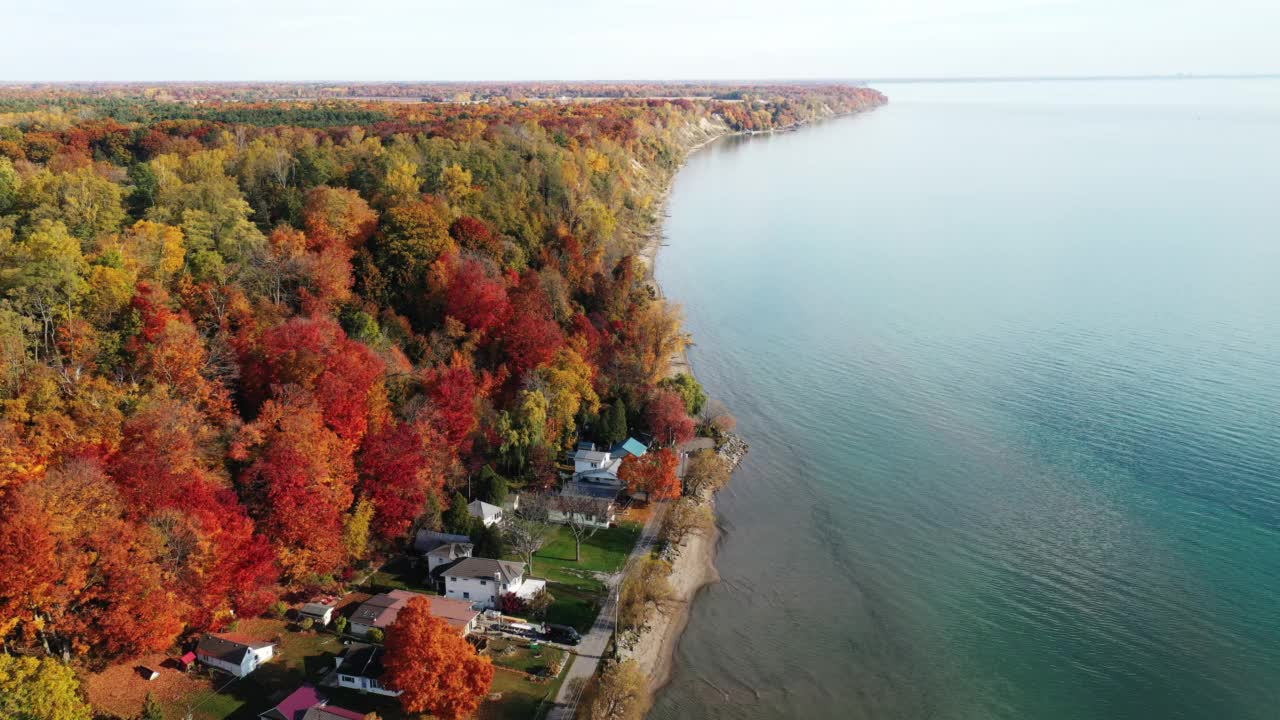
246	341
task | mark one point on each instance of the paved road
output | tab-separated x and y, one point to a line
593	644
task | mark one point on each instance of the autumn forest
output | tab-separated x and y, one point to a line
247	344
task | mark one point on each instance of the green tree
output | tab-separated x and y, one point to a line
612	426
40	689
487	541
689	389
456	519
151	709
523	429
87	203
9	184
491	487
43	275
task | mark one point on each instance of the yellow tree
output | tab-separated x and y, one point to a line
566	384
455	184
40	689
152	250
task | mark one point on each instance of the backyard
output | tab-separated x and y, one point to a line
401	572
121	690
602	554
521	698
578	587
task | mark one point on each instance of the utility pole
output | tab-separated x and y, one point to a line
497	594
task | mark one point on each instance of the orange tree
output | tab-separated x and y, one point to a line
434	666
653	473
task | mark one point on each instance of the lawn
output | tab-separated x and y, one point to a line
522	699
520	655
299	656
605	552
574	607
400	573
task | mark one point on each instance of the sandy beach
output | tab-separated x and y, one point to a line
693	569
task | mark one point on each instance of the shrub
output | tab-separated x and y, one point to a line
278	610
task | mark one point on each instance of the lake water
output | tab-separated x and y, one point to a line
1008	357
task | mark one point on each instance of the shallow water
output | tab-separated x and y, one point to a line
1008	357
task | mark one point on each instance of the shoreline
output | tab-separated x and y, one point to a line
693	565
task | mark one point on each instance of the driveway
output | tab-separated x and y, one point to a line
596	640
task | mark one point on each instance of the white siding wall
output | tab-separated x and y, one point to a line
250	663
365	684
562	518
471	589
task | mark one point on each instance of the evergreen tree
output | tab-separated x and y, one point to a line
488	541
492	486
457	520
613	424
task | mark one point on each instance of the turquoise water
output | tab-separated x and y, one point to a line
1008	357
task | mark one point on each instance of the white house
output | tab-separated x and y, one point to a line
600	464
593	503
447	553
488	514
595	465
426	540
320	613
360	668
236	656
482	581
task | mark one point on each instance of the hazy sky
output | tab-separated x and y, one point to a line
629	39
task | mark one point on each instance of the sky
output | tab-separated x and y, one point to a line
280	40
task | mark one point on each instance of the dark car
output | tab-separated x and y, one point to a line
563	634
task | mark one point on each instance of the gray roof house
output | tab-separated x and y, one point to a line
234	655
485	512
484	581
360	668
427	540
448	553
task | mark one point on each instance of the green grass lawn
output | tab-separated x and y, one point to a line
522	699
300	656
604	552
399	573
574	607
524	658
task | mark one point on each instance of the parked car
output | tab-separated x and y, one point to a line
563	634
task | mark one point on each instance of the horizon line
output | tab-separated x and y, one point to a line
685	81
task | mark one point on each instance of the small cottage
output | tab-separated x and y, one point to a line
488	514
360	668
237	656
320	613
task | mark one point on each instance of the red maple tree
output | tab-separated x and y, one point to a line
653	473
